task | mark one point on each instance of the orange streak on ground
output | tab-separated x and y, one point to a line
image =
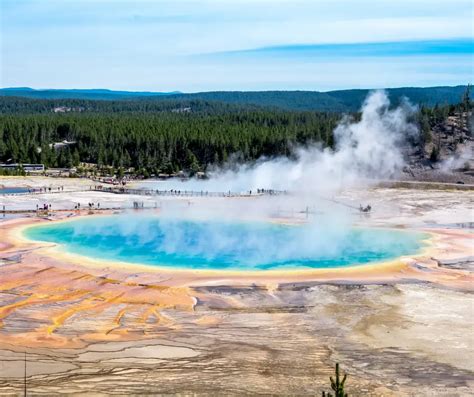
61	318
33	299
64	293
119	316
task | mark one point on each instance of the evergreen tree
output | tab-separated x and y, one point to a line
337	385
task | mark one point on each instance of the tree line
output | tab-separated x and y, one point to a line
22	105
159	142
166	137
333	101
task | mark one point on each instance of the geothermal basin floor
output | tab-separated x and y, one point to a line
397	331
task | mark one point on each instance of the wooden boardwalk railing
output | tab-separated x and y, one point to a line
185	193
153	192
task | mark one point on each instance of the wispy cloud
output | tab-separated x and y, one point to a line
458	46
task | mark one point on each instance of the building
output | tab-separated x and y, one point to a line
26	167
61	145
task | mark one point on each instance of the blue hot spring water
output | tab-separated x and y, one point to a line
220	245
11	190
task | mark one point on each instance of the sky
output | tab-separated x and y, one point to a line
207	45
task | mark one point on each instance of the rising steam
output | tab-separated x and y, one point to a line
365	150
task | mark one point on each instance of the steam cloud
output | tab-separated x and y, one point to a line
459	160
366	150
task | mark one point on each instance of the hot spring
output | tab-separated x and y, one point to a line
224	245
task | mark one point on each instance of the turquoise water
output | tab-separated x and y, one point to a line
10	190
188	244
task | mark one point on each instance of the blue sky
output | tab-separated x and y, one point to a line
203	45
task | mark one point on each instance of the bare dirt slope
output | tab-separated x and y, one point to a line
454	142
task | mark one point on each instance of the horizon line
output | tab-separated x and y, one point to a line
177	92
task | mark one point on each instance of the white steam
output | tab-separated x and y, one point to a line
460	160
369	149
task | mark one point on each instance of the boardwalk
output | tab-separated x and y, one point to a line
186	193
153	192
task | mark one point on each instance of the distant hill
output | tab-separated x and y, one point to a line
334	101
92	94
